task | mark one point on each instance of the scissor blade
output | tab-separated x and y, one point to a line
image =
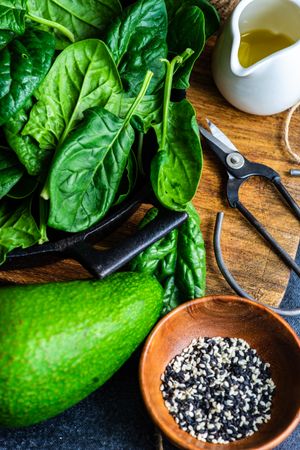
217	133
215	144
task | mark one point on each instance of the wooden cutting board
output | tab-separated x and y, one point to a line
255	266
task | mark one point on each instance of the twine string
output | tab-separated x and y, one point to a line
288	146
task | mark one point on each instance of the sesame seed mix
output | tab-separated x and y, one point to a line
218	389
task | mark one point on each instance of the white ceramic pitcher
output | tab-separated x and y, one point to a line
272	84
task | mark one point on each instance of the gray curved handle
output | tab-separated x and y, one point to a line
230	278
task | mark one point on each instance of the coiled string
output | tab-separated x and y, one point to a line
288	146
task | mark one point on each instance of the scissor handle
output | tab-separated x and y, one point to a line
233	187
236	177
287	196
269	238
253	169
228	275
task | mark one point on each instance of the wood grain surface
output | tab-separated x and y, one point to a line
252	262
260	139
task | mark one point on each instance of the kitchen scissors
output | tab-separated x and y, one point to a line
239	170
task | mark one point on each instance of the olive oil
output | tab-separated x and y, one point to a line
258	44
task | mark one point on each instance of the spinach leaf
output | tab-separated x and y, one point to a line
24	188
147	114
84	19
167	266
180	37
165	272
12	15
128	180
88	168
23	65
177	260
212	19
190	24
30	155
82	76
6	37
149	260
10	171
171	295
17	227
176	168
150	215
160	260
191	260
137	41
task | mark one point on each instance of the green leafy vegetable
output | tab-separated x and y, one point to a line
137	41
180	37
128	180
17	227
148	261
23	65
147	114
5	37
212	19
88	168
191	260
12	15
76	134
84	19
177	261
24	188
10	171
176	169
190	24
30	155
83	75
171	296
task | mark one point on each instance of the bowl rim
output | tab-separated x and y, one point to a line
174	438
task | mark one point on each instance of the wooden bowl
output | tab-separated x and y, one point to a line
226	316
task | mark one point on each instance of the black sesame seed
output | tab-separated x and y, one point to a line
218	389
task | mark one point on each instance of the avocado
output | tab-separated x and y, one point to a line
61	341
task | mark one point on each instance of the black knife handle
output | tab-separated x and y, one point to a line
103	263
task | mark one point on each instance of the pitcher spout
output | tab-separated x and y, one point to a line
280	17
261	76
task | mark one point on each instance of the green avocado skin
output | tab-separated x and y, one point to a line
61	341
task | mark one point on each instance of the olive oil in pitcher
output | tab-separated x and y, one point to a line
258	44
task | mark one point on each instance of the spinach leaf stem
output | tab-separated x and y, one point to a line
140	154
43	220
140	96
51	24
180	59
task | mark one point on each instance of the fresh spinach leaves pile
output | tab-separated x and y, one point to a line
177	261
82	86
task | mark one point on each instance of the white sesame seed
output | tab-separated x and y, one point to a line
204	391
